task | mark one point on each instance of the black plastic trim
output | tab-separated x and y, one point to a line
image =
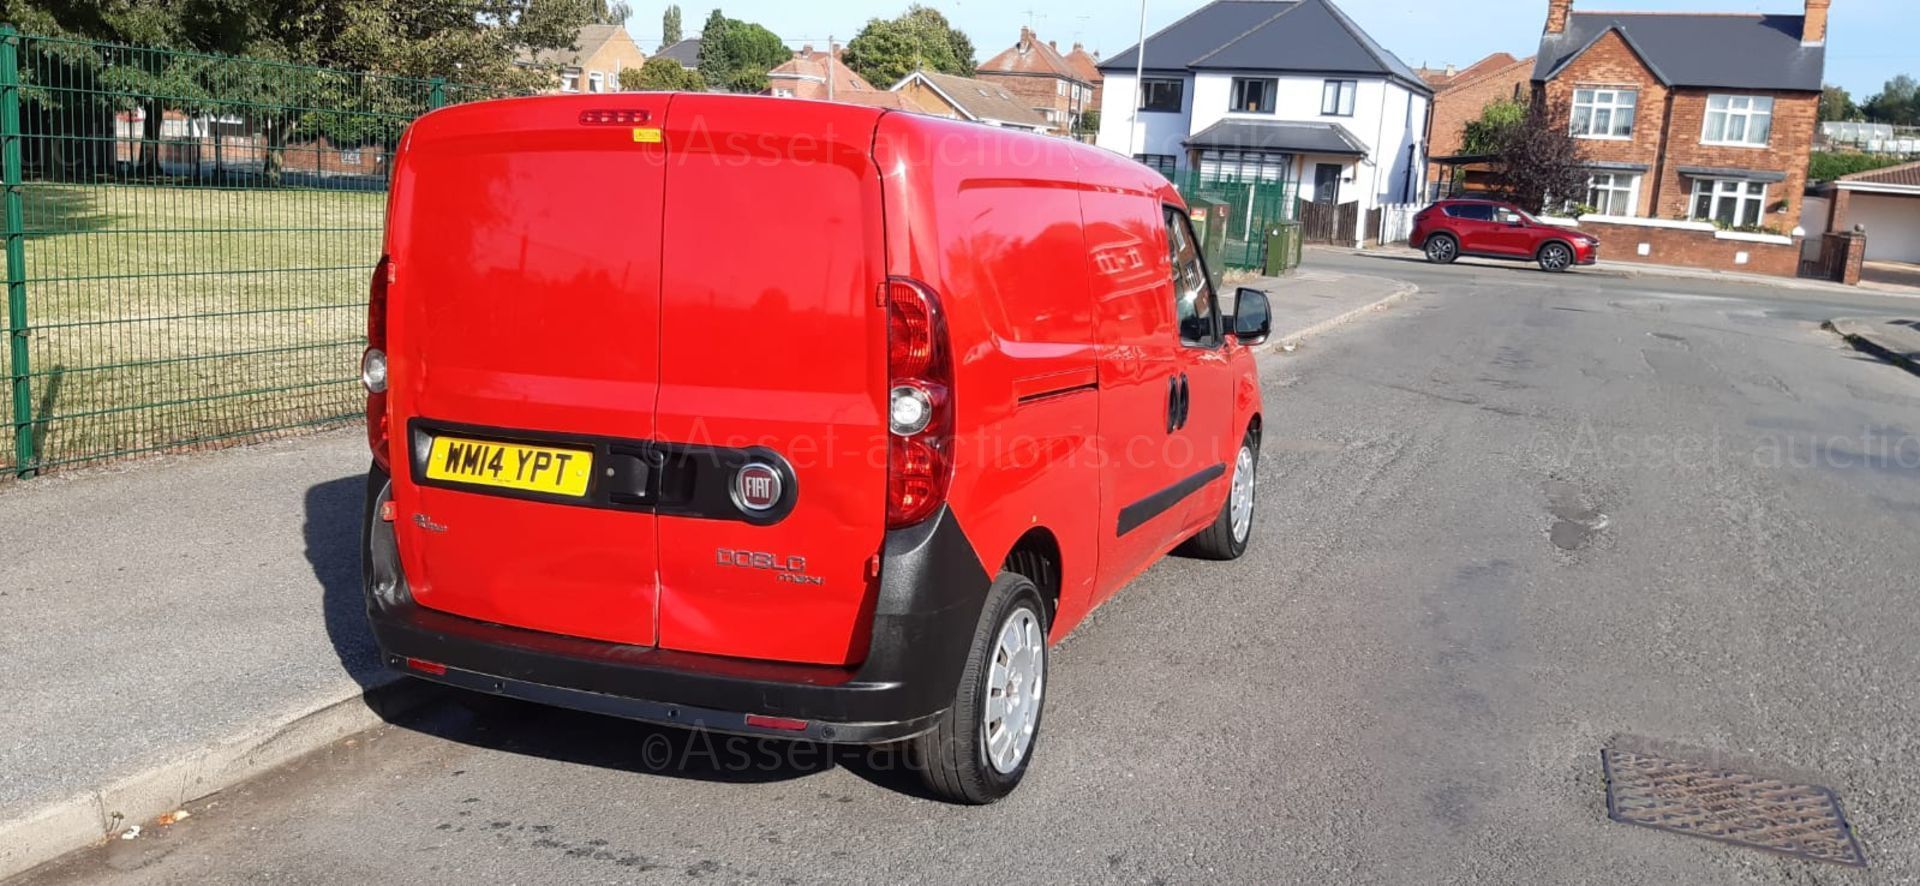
674	479
926	606
1133	516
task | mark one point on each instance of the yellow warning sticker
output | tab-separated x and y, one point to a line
646	135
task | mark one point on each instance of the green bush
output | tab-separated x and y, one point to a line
1825	166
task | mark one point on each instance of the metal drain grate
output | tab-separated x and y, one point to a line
1733	807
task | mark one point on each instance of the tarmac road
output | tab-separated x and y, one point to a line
1499	525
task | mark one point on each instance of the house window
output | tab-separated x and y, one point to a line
1614	193
1336	98
350	157
1161	95
782	92
569	81
1738	120
1254	95
1244	166
1603	113
1161	163
1729	202
596	82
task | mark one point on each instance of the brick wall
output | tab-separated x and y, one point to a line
1040	93
1667	129
1795	116
1459	104
1692	248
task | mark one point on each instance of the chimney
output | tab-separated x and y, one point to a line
1026	38
1557	12
1814	33
1053	45
1450	71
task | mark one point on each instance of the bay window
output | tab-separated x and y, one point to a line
1744	120
1730	202
1603	113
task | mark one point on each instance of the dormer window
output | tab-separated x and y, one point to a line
1604	113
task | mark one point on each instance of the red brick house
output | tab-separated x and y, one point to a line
1043	79
1460	96
1696	117
1087	65
1696	128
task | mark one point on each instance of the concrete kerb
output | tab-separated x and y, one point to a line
55	829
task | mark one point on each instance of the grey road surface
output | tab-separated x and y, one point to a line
1513	519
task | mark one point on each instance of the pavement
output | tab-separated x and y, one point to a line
1895	340
172	627
1632	270
1511	521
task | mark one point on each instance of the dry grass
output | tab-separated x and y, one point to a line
217	312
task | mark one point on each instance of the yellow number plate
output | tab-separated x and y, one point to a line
511	465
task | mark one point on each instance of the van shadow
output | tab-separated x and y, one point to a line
334	511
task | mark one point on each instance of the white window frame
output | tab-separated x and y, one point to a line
782	92
1717	191
570	81
1337	97
1748	110
1614	189
1590	100
596	82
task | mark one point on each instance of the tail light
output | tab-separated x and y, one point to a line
920	404
373	364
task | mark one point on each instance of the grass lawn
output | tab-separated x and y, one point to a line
162	316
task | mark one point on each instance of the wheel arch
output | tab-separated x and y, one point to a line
1571	251
1036	555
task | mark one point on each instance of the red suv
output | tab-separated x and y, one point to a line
1491	229
785	418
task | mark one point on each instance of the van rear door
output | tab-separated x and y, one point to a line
525	322
773	344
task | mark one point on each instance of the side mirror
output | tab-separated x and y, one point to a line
1252	316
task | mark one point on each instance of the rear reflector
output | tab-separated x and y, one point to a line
427	667
388	511
788	724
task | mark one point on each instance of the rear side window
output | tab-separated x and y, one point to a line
1471	211
1193	302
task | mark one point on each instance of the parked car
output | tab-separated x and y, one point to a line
1492	229
745	414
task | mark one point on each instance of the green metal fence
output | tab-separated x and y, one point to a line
1254	206
188	240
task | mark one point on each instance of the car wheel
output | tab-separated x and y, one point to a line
979	750
1442	249
1226	538
1555	257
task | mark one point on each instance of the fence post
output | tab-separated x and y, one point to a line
19	373
436	93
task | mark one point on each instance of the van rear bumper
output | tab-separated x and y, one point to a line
932	589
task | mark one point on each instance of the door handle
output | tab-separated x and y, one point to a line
1173	403
1185	402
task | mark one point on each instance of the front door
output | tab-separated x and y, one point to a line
1326	183
1197	450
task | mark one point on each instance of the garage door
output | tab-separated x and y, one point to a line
1892	222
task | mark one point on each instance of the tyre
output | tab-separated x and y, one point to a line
1555	257
979	751
1226	538
1442	249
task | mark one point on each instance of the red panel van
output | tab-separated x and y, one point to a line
786	418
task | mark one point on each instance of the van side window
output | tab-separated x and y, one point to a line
1193	302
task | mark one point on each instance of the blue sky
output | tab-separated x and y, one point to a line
1872	40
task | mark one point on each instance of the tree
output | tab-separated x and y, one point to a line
611	12
661	74
1089	122
1836	104
1539	159
736	55
670	25
1496	123
1898	102
921	38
